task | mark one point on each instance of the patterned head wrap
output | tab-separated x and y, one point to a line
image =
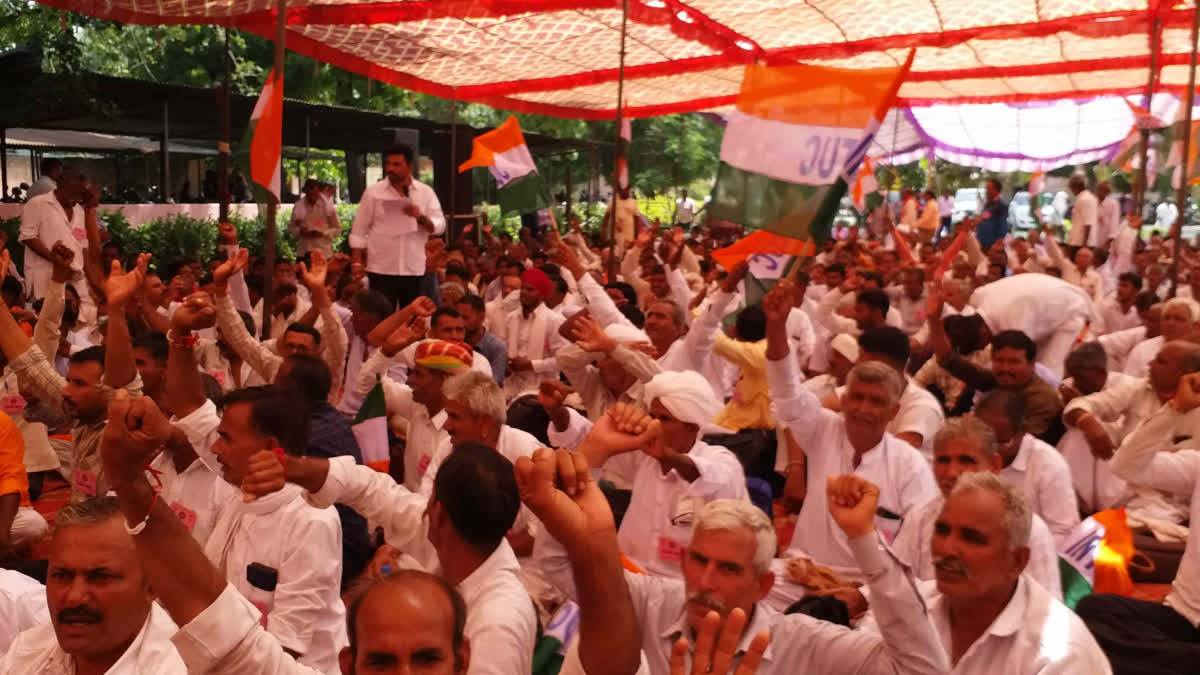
444	355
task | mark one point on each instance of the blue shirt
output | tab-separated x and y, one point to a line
995	225
497	355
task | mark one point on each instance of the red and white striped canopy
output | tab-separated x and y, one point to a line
560	57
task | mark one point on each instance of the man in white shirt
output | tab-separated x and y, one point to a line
1084	214
1030	464
685	210
1180	317
990	613
1165	215
1151	637
1109	217
726	576
1078	270
458	529
52	172
314	221
1118	312
673	472
396	216
52	219
102	613
22	606
964	445
852	441
919	415
532	336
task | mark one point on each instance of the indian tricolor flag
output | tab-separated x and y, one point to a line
795	144
266	134
371	431
504	152
1094	558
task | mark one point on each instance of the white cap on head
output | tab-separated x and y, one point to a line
845	345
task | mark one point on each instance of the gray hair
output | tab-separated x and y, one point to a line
478	393
968	427
736	514
1192	307
1087	356
677	312
875	372
88	512
1018	517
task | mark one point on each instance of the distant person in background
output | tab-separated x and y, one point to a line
930	219
945	205
685	210
1165	216
314	221
994	225
52	171
1084	214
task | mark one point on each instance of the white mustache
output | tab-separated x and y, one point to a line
950	563
707	598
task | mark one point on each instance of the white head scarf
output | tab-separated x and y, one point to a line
688	396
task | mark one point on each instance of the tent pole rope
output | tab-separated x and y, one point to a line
1139	179
1184	170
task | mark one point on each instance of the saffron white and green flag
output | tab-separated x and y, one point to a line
794	146
371	431
503	151
1094	557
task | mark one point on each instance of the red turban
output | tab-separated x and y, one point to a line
539	280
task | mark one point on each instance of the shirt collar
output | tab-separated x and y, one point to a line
270	503
501	561
764	617
1021	461
439	419
1012	617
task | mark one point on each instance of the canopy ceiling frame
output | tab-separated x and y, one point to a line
558	57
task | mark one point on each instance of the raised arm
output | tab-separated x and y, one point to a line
48	329
558	487
333	335
119	367
185	385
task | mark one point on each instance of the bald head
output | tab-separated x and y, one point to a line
407	621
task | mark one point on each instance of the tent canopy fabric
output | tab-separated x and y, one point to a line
560	57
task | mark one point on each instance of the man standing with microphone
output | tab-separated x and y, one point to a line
396	216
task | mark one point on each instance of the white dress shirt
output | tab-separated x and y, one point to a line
1089	280
501	623
1123	247
44	219
1035	634
1043	474
314	217
802	336
189	493
904	477
1107	222
1035	304
394	242
1141	460
1137	364
22	606
36	651
913	546
906	643
1111	318
1084	214
518	335
663	506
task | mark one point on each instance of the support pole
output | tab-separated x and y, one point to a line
1140	178
451	230
1184	170
570	198
272	201
613	263
307	146
165	155
223	144
4	161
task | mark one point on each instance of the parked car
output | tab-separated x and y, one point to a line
967	201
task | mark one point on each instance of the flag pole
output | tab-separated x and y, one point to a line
1139	179
613	265
272	201
223	143
1184	170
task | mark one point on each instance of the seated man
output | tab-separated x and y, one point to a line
991	616
459	528
1013	361
20	525
726	575
1151	637
411	619
964	445
22	606
673	472
1031	465
102	613
1107	418
852	441
444	324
